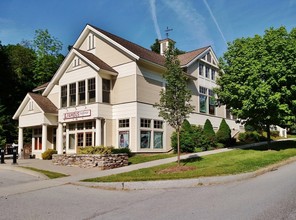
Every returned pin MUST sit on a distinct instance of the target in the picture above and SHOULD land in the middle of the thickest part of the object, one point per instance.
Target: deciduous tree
(174, 105)
(258, 81)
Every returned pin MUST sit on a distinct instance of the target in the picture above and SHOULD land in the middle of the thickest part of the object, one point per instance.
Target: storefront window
(71, 141)
(123, 139)
(145, 139)
(158, 140)
(88, 139)
(80, 139)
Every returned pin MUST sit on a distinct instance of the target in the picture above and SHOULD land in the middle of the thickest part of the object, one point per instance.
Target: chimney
(164, 44)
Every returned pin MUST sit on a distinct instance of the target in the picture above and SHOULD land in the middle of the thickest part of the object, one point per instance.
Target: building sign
(77, 114)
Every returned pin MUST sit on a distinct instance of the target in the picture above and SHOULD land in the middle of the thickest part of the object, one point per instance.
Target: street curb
(184, 183)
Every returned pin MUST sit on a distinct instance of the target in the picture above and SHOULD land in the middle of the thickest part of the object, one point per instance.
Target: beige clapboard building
(104, 92)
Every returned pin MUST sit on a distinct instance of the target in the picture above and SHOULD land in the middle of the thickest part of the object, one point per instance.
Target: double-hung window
(91, 90)
(64, 96)
(202, 99)
(81, 92)
(106, 91)
(72, 94)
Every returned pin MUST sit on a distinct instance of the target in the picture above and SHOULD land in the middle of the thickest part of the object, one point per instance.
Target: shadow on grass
(191, 159)
(277, 146)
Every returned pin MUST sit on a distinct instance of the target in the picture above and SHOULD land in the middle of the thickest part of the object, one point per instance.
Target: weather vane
(167, 31)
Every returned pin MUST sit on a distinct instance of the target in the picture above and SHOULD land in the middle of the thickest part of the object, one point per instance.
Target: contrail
(154, 18)
(215, 21)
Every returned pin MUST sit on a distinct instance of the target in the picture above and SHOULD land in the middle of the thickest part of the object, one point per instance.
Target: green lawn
(142, 158)
(233, 162)
(49, 174)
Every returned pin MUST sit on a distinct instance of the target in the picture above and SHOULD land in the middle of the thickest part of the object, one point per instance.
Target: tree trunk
(178, 141)
(268, 134)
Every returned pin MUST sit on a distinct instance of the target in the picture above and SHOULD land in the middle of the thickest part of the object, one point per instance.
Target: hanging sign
(77, 114)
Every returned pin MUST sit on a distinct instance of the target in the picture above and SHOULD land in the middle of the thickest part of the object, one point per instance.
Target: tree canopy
(23, 67)
(258, 78)
(155, 47)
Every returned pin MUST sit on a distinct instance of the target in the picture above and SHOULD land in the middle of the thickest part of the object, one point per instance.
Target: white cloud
(190, 18)
(215, 21)
(154, 18)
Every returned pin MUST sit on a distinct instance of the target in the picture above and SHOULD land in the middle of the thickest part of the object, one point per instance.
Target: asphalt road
(270, 196)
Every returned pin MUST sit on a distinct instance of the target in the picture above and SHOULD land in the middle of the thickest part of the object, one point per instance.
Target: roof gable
(43, 103)
(88, 58)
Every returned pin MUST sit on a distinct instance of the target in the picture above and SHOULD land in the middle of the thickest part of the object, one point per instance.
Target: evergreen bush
(47, 155)
(223, 135)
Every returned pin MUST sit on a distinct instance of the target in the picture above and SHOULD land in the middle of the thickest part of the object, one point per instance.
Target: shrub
(192, 137)
(210, 133)
(121, 151)
(47, 155)
(274, 133)
(186, 138)
(223, 135)
(250, 137)
(95, 150)
(208, 129)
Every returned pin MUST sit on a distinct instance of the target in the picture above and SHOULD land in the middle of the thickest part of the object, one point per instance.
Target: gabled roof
(41, 87)
(134, 48)
(186, 58)
(89, 58)
(45, 105)
(97, 61)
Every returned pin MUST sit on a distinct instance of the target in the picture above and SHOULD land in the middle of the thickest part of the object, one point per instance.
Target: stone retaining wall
(104, 162)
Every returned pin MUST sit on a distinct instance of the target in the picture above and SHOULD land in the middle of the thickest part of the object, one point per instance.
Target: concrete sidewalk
(77, 174)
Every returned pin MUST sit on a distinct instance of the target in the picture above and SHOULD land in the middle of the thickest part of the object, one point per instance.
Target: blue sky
(195, 23)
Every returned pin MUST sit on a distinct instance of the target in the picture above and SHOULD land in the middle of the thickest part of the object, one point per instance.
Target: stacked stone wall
(104, 162)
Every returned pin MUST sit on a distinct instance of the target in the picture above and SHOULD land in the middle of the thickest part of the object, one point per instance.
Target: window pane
(80, 139)
(81, 92)
(88, 125)
(145, 123)
(202, 103)
(64, 96)
(158, 124)
(71, 141)
(145, 139)
(88, 139)
(72, 94)
(106, 90)
(80, 126)
(123, 123)
(123, 138)
(200, 69)
(91, 90)
(158, 140)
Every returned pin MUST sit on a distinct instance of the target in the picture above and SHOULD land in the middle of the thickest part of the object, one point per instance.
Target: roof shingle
(44, 103)
(97, 61)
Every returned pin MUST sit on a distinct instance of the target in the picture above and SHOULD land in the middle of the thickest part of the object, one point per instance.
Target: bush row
(195, 138)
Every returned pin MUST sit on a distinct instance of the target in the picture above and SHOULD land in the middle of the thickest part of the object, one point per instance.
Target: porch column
(44, 137)
(98, 132)
(60, 138)
(20, 142)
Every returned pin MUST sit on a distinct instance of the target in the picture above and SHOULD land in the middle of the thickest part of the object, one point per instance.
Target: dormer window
(91, 41)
